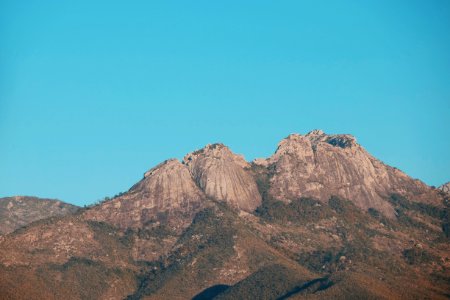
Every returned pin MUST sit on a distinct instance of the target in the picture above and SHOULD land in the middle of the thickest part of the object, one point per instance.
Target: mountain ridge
(18, 211)
(220, 174)
(214, 223)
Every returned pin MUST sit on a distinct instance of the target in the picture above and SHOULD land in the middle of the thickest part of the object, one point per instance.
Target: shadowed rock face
(165, 189)
(320, 165)
(221, 175)
(19, 211)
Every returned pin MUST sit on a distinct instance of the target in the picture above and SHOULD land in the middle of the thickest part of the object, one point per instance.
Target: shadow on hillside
(312, 286)
(211, 292)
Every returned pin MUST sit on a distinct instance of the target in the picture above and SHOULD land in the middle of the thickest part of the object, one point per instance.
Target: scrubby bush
(414, 256)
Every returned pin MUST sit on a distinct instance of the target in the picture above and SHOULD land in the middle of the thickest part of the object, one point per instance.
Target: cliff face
(319, 165)
(19, 211)
(314, 165)
(222, 176)
(172, 192)
(165, 190)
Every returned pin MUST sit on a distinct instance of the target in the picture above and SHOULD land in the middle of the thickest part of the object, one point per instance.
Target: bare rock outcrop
(166, 189)
(314, 165)
(445, 188)
(221, 175)
(320, 165)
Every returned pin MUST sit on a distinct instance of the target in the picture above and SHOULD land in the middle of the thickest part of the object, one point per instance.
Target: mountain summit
(164, 191)
(315, 165)
(319, 219)
(222, 175)
(319, 165)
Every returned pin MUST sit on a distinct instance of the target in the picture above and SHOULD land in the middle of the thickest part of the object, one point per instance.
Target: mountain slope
(19, 211)
(217, 226)
(166, 189)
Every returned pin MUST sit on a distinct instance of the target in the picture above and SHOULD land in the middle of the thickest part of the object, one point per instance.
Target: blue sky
(94, 93)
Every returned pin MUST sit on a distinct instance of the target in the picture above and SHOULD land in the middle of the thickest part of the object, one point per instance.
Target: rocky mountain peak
(166, 188)
(316, 132)
(317, 136)
(216, 151)
(222, 176)
(303, 146)
(167, 165)
(320, 165)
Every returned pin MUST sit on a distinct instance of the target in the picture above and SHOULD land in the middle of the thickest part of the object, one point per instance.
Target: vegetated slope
(186, 231)
(66, 258)
(218, 248)
(19, 211)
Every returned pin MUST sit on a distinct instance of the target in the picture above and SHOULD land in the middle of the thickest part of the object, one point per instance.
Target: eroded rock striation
(315, 165)
(173, 191)
(319, 165)
(165, 189)
(222, 175)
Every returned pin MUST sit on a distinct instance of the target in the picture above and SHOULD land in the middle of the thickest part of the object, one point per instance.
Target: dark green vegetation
(301, 211)
(208, 241)
(273, 282)
(417, 255)
(211, 292)
(408, 211)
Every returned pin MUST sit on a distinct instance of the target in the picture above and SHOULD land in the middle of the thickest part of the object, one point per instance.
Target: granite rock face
(166, 189)
(445, 187)
(222, 175)
(19, 211)
(315, 165)
(319, 165)
(173, 192)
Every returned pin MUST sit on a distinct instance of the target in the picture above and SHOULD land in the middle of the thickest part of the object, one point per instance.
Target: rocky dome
(168, 187)
(222, 176)
(315, 165)
(319, 165)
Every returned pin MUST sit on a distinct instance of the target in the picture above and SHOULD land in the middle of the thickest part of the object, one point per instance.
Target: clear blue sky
(94, 93)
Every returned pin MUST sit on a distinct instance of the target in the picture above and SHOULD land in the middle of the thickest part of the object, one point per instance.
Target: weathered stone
(320, 165)
(165, 189)
(221, 175)
(445, 187)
